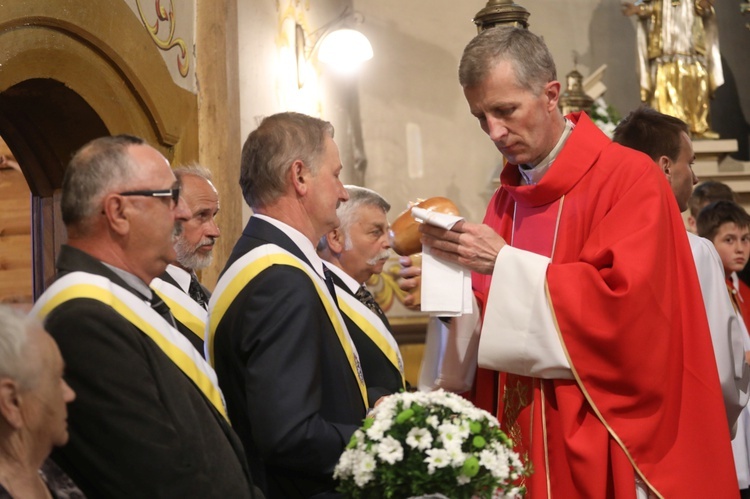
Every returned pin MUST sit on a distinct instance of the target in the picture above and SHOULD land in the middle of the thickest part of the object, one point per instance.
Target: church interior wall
(420, 138)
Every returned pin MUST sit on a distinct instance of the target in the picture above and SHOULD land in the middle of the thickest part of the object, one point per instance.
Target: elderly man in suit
(194, 242)
(149, 419)
(289, 370)
(356, 250)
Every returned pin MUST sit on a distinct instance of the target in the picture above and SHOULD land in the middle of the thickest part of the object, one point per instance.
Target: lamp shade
(345, 50)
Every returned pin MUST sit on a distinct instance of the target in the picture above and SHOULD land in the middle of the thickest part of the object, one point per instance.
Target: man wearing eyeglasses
(194, 242)
(149, 420)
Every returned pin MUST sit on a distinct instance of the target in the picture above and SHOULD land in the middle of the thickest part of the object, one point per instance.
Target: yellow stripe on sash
(176, 355)
(247, 274)
(183, 315)
(374, 335)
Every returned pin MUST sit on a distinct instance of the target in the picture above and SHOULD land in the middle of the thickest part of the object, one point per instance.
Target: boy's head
(704, 194)
(727, 225)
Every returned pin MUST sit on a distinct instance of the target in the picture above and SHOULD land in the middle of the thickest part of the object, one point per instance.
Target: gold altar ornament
(501, 12)
(574, 99)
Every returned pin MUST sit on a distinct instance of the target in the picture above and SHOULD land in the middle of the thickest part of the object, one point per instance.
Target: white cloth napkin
(446, 287)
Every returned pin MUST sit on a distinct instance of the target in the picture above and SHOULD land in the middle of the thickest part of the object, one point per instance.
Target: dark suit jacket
(138, 426)
(381, 376)
(291, 394)
(182, 328)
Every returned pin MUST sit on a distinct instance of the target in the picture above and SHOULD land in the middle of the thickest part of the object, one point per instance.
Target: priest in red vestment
(594, 342)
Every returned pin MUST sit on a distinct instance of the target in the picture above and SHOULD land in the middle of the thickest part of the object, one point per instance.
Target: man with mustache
(356, 250)
(194, 242)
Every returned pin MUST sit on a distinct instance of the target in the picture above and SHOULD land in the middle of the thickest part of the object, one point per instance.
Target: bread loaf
(404, 232)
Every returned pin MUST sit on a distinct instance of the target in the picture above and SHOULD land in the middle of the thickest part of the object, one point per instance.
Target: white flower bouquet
(604, 116)
(416, 444)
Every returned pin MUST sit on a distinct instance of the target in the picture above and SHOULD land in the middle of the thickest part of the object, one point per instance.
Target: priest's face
(681, 175)
(523, 123)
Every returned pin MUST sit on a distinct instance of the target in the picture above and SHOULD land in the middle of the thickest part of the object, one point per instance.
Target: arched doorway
(70, 71)
(43, 122)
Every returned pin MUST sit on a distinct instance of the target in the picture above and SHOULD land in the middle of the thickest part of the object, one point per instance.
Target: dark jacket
(138, 426)
(291, 394)
(381, 376)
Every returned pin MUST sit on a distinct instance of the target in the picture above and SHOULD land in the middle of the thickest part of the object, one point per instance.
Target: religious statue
(678, 58)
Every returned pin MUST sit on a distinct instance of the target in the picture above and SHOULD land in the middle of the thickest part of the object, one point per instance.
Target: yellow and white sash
(141, 315)
(245, 269)
(369, 322)
(183, 307)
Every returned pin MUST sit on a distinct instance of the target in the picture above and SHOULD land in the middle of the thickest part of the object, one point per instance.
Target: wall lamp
(337, 44)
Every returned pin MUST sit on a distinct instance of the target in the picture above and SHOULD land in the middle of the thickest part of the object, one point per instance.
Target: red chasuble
(645, 400)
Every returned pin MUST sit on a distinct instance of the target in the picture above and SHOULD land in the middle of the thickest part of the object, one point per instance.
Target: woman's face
(46, 394)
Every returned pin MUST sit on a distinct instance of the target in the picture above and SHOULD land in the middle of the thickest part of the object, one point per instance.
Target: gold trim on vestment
(591, 402)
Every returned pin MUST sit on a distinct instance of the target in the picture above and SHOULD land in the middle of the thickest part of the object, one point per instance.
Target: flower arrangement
(604, 116)
(421, 443)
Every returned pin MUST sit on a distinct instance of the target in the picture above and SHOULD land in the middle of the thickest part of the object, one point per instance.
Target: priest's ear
(552, 92)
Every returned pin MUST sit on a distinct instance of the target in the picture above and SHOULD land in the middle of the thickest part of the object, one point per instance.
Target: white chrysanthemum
(464, 429)
(457, 456)
(432, 421)
(497, 464)
(344, 467)
(364, 468)
(450, 435)
(419, 438)
(463, 479)
(436, 458)
(384, 415)
(359, 436)
(378, 428)
(386, 409)
(390, 450)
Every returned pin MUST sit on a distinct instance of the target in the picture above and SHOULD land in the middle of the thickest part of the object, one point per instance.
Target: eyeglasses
(173, 193)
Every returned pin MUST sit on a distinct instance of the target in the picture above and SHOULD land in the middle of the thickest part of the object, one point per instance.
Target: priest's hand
(474, 246)
(410, 279)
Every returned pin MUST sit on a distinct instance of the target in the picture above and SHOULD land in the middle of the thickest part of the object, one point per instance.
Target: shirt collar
(131, 280)
(352, 284)
(532, 175)
(181, 276)
(299, 239)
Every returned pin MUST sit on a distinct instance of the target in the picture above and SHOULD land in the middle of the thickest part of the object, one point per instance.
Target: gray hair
(194, 169)
(14, 328)
(269, 151)
(358, 196)
(95, 168)
(527, 52)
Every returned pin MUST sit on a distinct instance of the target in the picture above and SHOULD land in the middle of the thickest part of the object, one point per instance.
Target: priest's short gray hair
(527, 52)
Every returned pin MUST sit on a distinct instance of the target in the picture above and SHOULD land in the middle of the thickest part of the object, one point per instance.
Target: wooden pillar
(219, 137)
